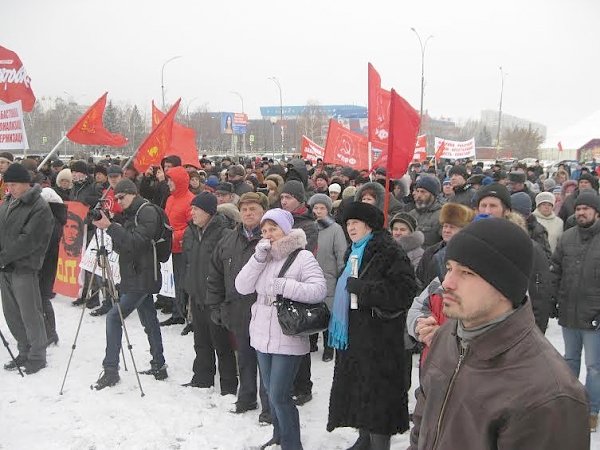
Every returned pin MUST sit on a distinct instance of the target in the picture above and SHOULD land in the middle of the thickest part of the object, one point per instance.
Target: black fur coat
(368, 390)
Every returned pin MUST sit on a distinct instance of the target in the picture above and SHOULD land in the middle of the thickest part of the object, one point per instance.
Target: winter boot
(104, 309)
(34, 365)
(363, 442)
(272, 441)
(327, 354)
(80, 301)
(189, 328)
(159, 373)
(380, 442)
(20, 362)
(172, 321)
(241, 408)
(264, 418)
(108, 378)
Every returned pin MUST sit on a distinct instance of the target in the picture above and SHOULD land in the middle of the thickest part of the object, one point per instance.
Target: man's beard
(583, 223)
(420, 205)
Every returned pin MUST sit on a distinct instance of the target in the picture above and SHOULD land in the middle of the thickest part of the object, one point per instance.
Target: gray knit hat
(296, 189)
(321, 199)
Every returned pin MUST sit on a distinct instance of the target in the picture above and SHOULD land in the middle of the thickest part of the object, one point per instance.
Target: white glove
(262, 250)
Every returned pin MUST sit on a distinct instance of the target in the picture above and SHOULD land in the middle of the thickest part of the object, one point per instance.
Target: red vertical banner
(379, 113)
(345, 147)
(310, 150)
(70, 250)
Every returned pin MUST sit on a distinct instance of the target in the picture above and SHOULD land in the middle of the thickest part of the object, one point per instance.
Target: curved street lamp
(278, 84)
(162, 79)
(502, 75)
(423, 46)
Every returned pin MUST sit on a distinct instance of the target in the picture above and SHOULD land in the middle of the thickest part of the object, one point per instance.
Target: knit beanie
(365, 212)
(494, 190)
(589, 177)
(281, 217)
(126, 186)
(549, 184)
(406, 219)
(349, 192)
(334, 187)
(64, 174)
(545, 197)
(456, 214)
(16, 173)
(517, 177)
(294, 188)
(586, 197)
(254, 197)
(206, 202)
(212, 181)
(429, 183)
(7, 156)
(521, 203)
(487, 245)
(321, 199)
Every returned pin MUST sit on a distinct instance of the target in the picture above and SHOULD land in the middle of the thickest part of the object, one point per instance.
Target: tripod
(5, 342)
(107, 286)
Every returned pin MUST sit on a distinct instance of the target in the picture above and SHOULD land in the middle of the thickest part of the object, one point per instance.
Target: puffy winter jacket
(304, 282)
(428, 222)
(178, 207)
(576, 268)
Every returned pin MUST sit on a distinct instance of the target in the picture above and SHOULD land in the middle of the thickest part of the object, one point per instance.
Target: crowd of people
(464, 267)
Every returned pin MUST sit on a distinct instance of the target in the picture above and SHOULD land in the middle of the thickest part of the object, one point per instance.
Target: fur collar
(412, 241)
(283, 247)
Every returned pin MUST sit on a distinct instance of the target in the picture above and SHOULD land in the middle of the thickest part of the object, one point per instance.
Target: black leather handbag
(297, 318)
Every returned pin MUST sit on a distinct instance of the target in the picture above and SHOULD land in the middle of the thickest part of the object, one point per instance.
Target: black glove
(354, 285)
(215, 316)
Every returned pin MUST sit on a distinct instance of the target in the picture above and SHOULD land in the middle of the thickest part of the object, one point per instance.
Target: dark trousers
(211, 339)
(114, 332)
(248, 370)
(302, 383)
(180, 301)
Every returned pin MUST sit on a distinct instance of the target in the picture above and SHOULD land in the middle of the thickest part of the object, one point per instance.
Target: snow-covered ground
(34, 416)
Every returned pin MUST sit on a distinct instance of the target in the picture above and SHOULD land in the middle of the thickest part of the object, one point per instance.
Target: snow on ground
(34, 416)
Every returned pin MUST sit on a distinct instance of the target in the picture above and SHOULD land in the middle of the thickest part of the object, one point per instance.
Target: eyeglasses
(120, 197)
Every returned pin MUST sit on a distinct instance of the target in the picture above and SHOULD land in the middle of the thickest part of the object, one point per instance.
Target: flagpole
(49, 155)
(370, 156)
(386, 201)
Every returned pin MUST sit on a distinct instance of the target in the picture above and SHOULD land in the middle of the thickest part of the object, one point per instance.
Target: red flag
(421, 148)
(311, 151)
(183, 140)
(560, 149)
(15, 84)
(404, 126)
(158, 143)
(379, 112)
(440, 150)
(89, 129)
(345, 147)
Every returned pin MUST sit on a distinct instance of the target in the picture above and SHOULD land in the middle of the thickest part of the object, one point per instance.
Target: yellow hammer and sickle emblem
(153, 151)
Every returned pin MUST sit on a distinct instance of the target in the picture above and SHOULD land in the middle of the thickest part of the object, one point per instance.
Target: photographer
(136, 262)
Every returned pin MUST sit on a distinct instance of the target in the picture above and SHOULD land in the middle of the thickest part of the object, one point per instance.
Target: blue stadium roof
(343, 111)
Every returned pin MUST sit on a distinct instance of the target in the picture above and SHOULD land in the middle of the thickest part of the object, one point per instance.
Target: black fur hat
(365, 212)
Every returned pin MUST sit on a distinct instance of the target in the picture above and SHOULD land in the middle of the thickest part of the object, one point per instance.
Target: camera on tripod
(95, 213)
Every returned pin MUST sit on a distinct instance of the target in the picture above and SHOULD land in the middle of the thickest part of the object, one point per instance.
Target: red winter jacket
(178, 207)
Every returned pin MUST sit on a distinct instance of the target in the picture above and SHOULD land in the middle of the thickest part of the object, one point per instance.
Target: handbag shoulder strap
(288, 262)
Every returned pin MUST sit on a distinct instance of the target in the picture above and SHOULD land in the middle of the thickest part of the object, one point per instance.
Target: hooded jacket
(484, 397)
(412, 244)
(394, 205)
(26, 226)
(178, 207)
(428, 222)
(304, 282)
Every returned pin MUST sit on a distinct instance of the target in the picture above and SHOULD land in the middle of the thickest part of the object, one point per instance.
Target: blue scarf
(338, 324)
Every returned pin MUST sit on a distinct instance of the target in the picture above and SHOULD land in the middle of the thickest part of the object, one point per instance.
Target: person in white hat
(544, 213)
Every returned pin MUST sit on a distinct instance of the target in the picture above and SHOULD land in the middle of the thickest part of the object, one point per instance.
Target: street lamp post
(278, 84)
(162, 79)
(423, 46)
(502, 75)
(273, 122)
(244, 133)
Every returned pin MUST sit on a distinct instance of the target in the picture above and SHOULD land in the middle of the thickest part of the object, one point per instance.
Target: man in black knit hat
(491, 380)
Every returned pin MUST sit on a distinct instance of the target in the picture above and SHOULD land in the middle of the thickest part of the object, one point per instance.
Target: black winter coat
(540, 287)
(576, 269)
(229, 257)
(367, 390)
(155, 191)
(429, 267)
(48, 271)
(463, 195)
(539, 234)
(197, 251)
(306, 222)
(87, 192)
(25, 229)
(133, 244)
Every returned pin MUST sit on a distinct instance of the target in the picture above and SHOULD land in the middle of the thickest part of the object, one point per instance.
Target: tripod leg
(130, 347)
(5, 342)
(74, 346)
(108, 289)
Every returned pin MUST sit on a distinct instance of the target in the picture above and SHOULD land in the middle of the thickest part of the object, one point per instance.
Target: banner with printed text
(345, 147)
(311, 151)
(456, 149)
(89, 257)
(12, 128)
(168, 281)
(70, 250)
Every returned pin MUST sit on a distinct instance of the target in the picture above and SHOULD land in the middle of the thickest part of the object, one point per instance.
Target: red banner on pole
(311, 151)
(89, 129)
(70, 250)
(183, 140)
(15, 84)
(379, 112)
(404, 126)
(345, 147)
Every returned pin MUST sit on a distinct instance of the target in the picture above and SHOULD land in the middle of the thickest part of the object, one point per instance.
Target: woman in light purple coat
(279, 355)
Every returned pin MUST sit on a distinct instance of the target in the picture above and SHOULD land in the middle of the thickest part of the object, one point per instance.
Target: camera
(95, 213)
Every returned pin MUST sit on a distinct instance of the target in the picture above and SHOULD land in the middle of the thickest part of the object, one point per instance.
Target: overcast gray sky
(318, 50)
